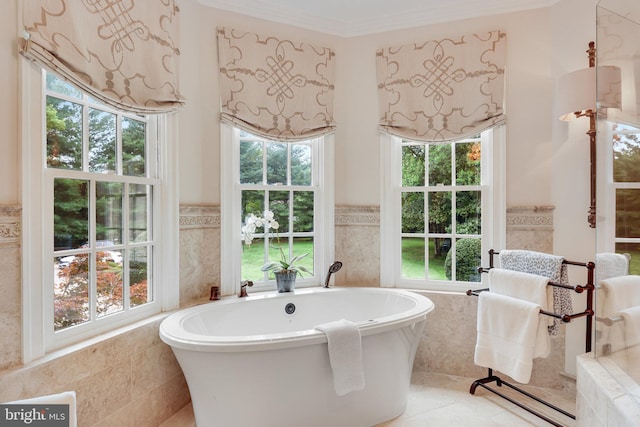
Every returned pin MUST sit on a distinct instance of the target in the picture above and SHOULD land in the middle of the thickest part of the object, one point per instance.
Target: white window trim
(37, 330)
(606, 190)
(230, 255)
(493, 218)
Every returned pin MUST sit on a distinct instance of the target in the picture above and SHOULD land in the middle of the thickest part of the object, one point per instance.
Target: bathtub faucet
(243, 288)
(333, 268)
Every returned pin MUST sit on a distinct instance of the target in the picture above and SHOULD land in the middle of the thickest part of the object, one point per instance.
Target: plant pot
(286, 280)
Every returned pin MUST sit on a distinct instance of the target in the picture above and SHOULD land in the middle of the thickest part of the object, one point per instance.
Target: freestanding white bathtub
(259, 362)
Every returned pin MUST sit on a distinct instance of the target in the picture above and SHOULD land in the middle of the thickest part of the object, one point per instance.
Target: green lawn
(252, 258)
(413, 260)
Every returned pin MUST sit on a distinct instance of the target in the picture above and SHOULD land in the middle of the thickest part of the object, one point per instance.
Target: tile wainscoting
(199, 251)
(10, 286)
(131, 378)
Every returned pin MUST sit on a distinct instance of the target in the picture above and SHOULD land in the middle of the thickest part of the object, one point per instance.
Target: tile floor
(437, 400)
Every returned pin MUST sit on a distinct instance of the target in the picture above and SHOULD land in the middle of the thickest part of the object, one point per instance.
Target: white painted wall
(547, 161)
(541, 45)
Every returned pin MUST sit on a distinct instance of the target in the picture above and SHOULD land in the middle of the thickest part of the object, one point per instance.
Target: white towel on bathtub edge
(345, 355)
(507, 329)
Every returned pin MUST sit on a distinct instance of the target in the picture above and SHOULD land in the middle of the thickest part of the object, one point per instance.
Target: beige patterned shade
(278, 89)
(442, 90)
(121, 52)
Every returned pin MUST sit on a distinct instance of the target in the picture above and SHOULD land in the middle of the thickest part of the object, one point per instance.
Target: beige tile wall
(130, 378)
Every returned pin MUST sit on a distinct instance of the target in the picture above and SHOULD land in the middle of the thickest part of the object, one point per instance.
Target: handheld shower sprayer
(333, 268)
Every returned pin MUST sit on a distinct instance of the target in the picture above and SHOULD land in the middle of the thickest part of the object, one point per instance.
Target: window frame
(493, 211)
(606, 191)
(230, 211)
(39, 337)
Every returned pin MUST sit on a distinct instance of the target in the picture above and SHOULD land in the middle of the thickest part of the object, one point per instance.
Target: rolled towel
(507, 329)
(611, 265)
(527, 287)
(345, 355)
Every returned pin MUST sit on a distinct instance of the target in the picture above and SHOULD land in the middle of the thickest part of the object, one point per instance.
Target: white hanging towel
(507, 329)
(619, 293)
(345, 355)
(551, 266)
(527, 287)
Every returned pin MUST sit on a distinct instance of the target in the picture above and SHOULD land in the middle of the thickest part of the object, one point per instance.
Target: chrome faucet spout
(333, 268)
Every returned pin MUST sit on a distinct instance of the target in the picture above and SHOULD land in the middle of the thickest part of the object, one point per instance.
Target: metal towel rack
(565, 317)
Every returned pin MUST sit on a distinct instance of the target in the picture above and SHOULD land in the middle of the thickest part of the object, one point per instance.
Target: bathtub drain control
(290, 308)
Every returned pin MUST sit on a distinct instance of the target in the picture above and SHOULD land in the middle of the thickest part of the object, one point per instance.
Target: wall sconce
(583, 93)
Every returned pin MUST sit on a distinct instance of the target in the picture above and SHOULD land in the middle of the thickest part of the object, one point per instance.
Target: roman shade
(442, 90)
(279, 89)
(122, 52)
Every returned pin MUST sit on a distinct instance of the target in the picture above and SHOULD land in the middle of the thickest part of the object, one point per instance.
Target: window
(287, 179)
(438, 216)
(621, 197)
(97, 184)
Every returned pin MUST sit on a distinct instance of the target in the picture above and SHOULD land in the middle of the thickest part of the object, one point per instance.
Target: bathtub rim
(172, 333)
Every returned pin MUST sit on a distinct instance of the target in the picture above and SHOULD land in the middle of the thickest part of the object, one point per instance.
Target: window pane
(134, 142)
(626, 154)
(252, 260)
(139, 286)
(252, 203)
(440, 164)
(278, 250)
(58, 85)
(279, 205)
(627, 213)
(276, 163)
(102, 141)
(467, 260)
(250, 162)
(71, 291)
(109, 284)
(438, 250)
(413, 212)
(468, 212)
(64, 134)
(109, 212)
(413, 165)
(413, 257)
(440, 212)
(301, 246)
(468, 163)
(70, 213)
(300, 164)
(303, 211)
(139, 202)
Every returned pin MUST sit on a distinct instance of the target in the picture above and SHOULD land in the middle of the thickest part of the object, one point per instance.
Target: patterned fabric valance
(442, 90)
(121, 52)
(278, 89)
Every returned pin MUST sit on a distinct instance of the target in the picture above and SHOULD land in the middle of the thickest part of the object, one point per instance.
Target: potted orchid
(286, 269)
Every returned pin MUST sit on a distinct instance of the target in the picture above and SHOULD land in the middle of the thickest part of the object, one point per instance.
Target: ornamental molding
(530, 217)
(199, 216)
(357, 215)
(10, 225)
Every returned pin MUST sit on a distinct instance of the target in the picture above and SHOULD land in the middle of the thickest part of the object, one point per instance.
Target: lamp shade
(577, 90)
